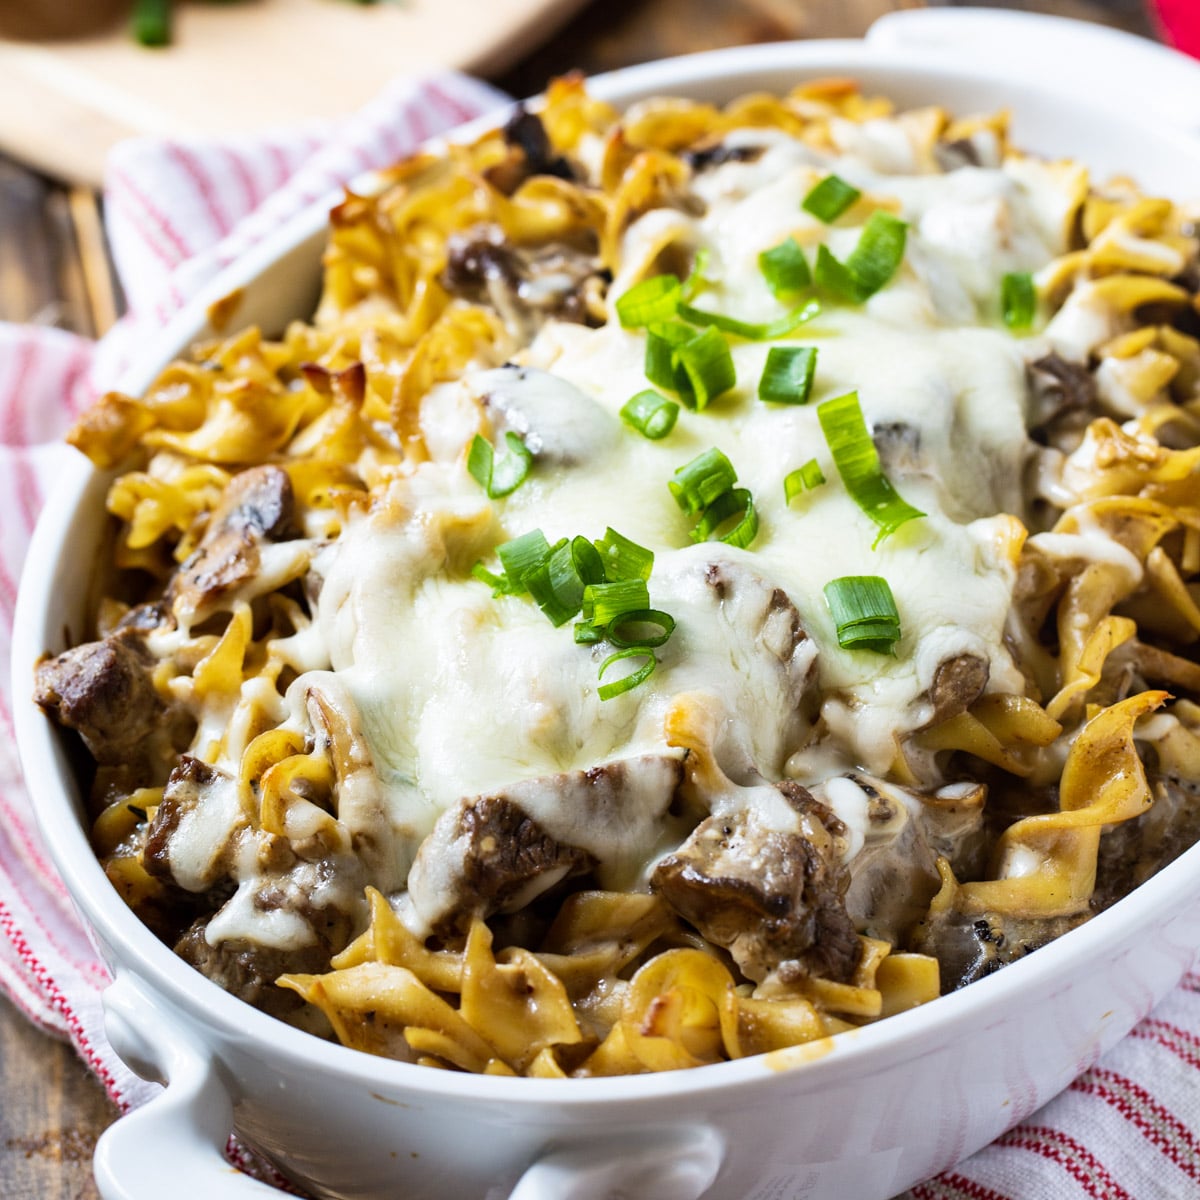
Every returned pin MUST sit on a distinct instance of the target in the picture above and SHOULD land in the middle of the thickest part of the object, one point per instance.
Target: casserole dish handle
(179, 1135)
(668, 1164)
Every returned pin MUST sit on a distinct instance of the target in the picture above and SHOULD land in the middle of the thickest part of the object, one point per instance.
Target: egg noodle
(363, 771)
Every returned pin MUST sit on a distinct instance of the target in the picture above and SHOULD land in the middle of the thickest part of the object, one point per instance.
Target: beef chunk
(498, 852)
(774, 900)
(498, 858)
(103, 690)
(257, 506)
(249, 970)
(1136, 849)
(191, 784)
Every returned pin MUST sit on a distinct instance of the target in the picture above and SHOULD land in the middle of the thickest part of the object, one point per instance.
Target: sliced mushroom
(526, 286)
(957, 683)
(256, 507)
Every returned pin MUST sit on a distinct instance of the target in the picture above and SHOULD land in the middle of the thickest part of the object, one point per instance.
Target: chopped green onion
(699, 482)
(652, 415)
(623, 559)
(500, 584)
(835, 279)
(623, 630)
(788, 375)
(857, 461)
(589, 565)
(785, 268)
(505, 476)
(587, 633)
(830, 198)
(696, 279)
(879, 251)
(706, 366)
(1018, 299)
(555, 585)
(608, 690)
(869, 265)
(152, 22)
(650, 301)
(864, 612)
(735, 502)
(521, 555)
(802, 479)
(880, 636)
(604, 602)
(662, 366)
(752, 331)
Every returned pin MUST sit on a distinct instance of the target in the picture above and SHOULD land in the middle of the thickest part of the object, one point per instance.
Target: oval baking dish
(865, 1114)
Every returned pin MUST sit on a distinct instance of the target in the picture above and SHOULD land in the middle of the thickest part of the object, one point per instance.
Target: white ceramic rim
(854, 1054)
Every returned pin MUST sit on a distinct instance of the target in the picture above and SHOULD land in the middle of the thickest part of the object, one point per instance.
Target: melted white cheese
(461, 694)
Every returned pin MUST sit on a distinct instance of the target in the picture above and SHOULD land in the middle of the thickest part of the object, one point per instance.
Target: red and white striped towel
(1129, 1129)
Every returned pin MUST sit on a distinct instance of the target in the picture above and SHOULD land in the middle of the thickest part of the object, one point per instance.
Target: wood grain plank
(51, 1114)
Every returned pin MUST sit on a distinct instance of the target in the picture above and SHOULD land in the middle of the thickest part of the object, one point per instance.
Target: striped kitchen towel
(1127, 1129)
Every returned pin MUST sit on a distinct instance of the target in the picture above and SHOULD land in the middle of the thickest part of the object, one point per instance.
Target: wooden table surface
(52, 270)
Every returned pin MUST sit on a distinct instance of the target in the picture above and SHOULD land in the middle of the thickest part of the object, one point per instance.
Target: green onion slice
(696, 280)
(589, 565)
(699, 482)
(652, 415)
(766, 331)
(652, 300)
(555, 585)
(622, 558)
(737, 502)
(499, 478)
(587, 633)
(879, 251)
(705, 368)
(521, 555)
(1018, 299)
(629, 629)
(604, 602)
(788, 375)
(802, 479)
(864, 612)
(662, 367)
(785, 268)
(500, 584)
(869, 265)
(830, 198)
(857, 461)
(628, 682)
(834, 278)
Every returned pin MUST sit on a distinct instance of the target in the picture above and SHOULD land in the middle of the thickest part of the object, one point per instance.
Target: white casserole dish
(865, 1115)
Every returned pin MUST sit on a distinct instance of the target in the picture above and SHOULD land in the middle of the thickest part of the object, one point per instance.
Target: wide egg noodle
(1013, 779)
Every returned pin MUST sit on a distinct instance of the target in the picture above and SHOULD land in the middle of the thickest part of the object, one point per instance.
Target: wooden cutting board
(234, 68)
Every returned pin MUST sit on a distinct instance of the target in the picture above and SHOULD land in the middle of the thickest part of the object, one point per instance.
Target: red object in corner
(1180, 21)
